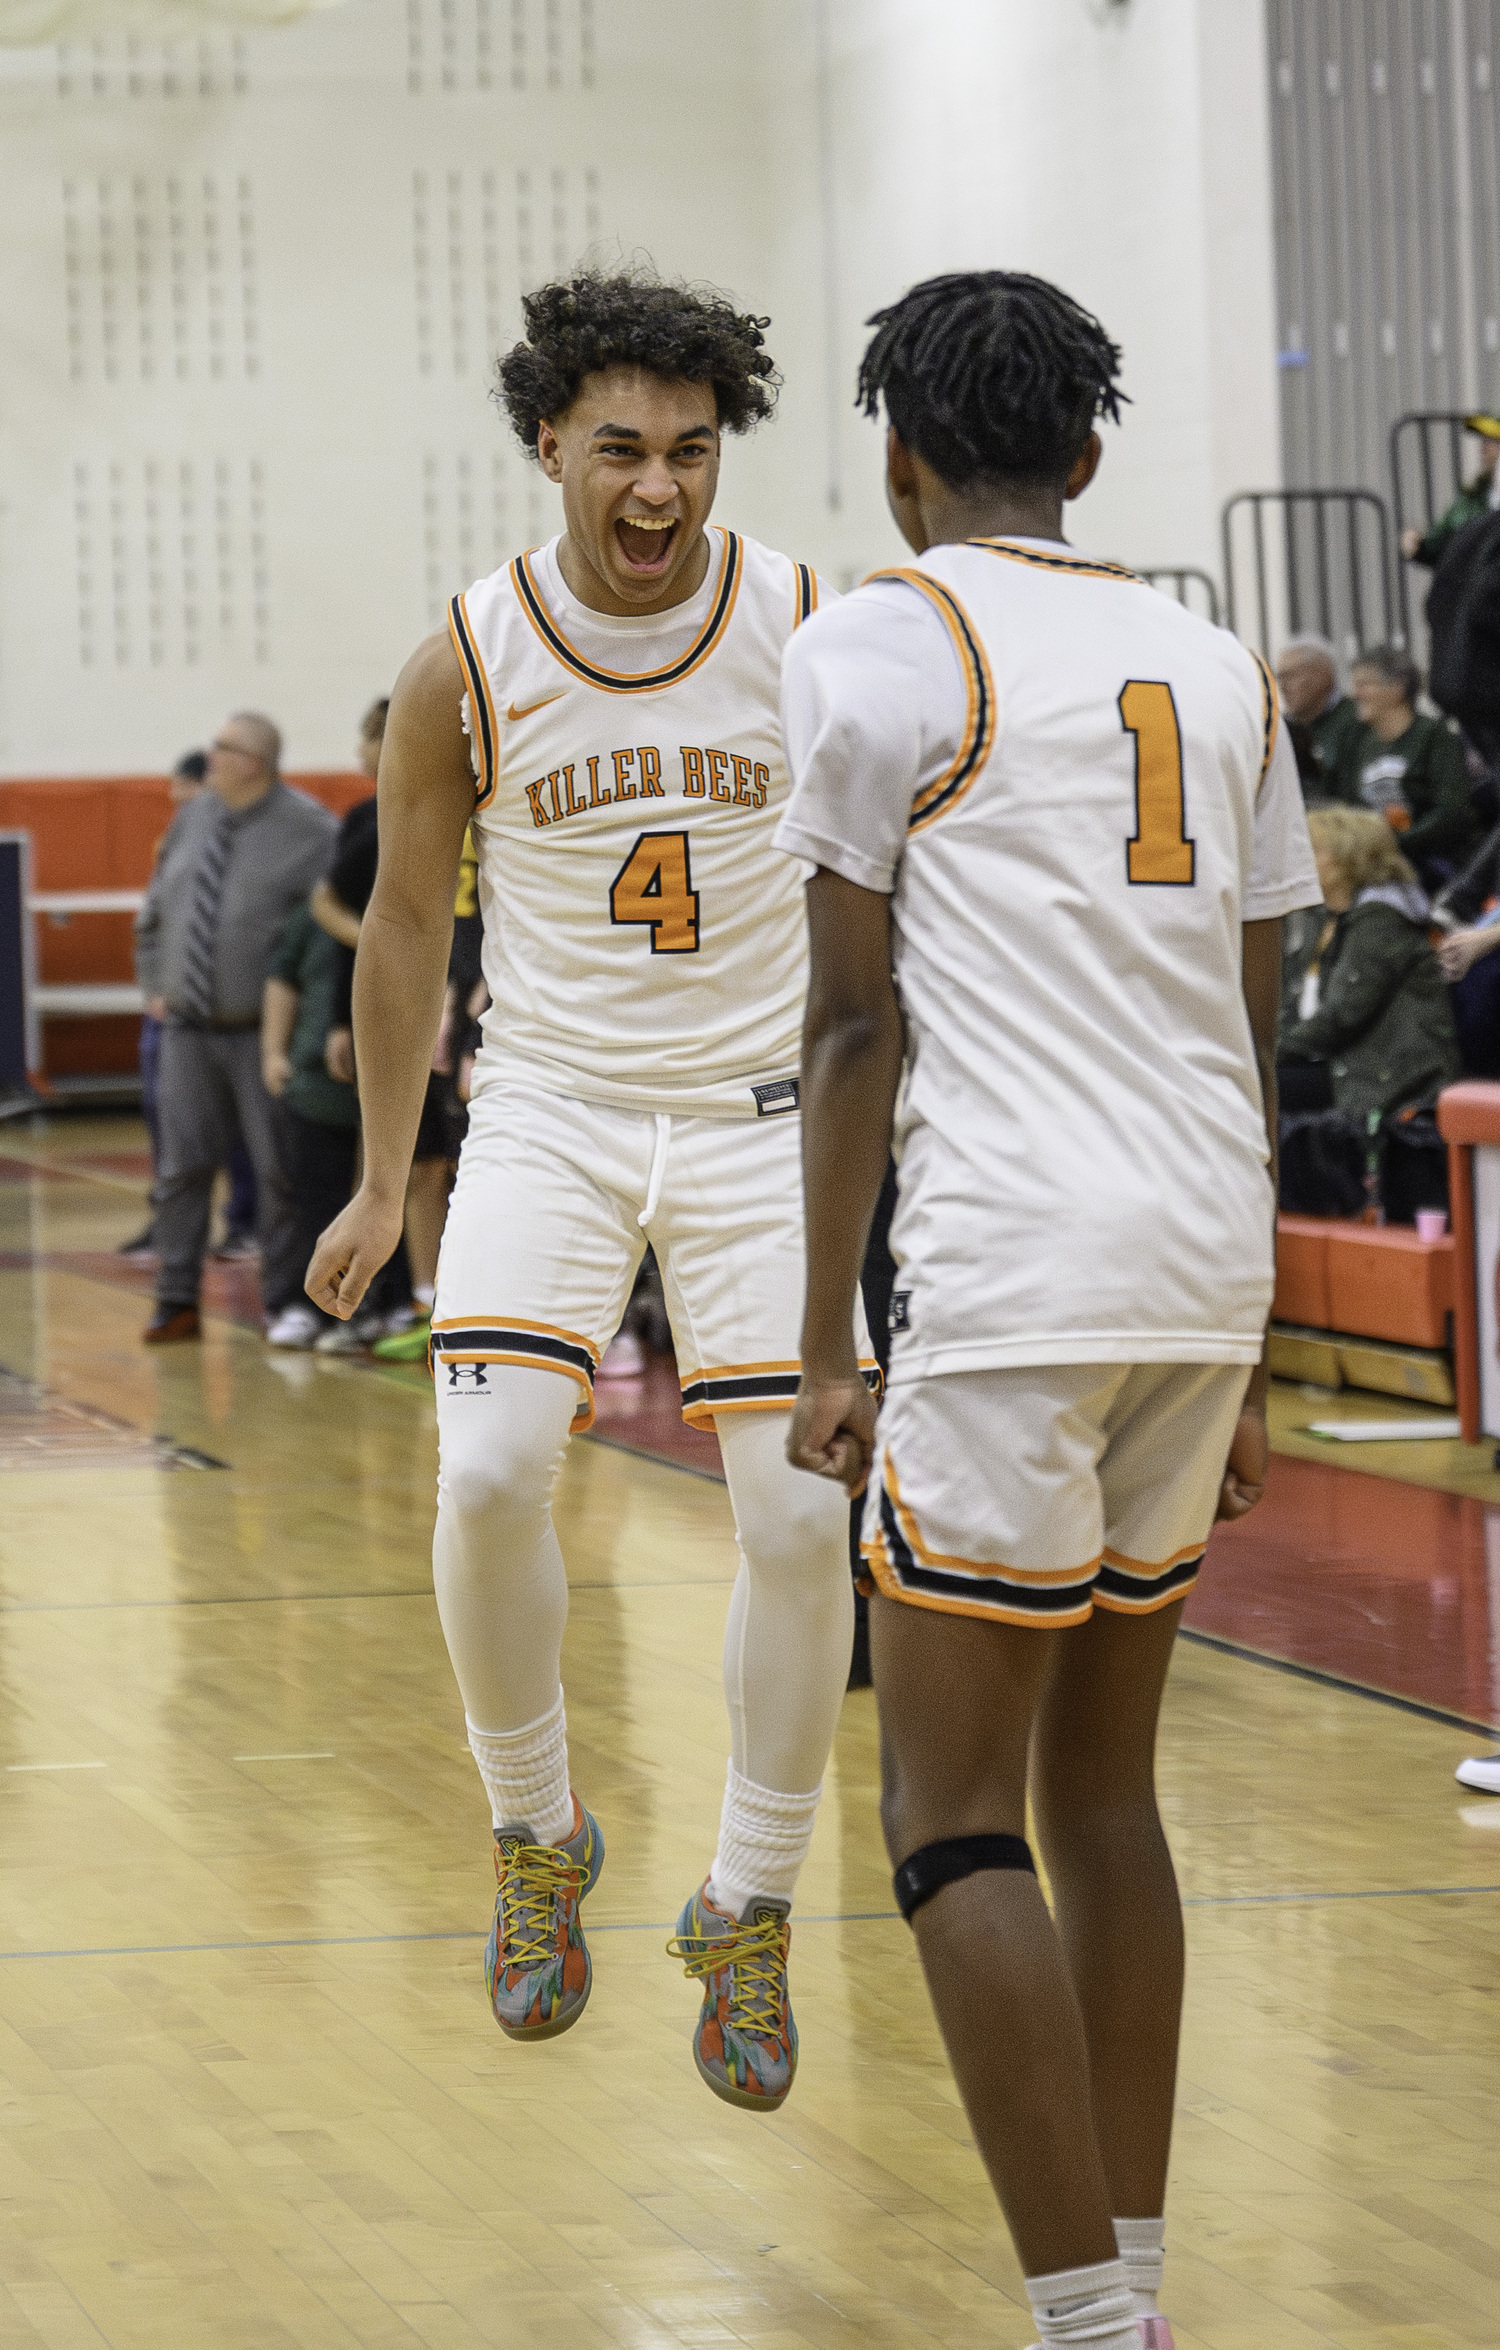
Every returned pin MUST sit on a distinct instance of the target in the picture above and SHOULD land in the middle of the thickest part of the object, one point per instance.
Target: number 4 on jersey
(655, 885)
(1159, 849)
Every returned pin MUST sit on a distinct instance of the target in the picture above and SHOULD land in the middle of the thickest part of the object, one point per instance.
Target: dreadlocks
(581, 325)
(991, 376)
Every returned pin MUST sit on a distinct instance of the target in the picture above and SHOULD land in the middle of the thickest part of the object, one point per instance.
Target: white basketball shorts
(1034, 1494)
(555, 1201)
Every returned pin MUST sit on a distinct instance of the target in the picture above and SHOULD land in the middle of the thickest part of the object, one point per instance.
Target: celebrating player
(1059, 803)
(604, 711)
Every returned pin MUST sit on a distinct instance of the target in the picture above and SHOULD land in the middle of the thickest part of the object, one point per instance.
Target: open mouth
(646, 543)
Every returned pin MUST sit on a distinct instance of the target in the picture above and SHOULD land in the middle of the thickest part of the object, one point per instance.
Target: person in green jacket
(1411, 770)
(1474, 498)
(1367, 1025)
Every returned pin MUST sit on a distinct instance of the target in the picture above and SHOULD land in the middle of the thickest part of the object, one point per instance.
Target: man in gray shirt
(234, 865)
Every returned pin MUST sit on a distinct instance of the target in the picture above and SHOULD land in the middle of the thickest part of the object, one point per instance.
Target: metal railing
(1315, 562)
(1427, 461)
(1195, 589)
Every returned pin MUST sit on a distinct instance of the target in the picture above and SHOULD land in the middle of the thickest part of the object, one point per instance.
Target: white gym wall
(253, 280)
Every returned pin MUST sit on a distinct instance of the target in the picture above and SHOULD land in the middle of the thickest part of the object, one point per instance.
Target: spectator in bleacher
(1320, 718)
(1475, 497)
(1367, 1030)
(1411, 770)
(235, 864)
(319, 1114)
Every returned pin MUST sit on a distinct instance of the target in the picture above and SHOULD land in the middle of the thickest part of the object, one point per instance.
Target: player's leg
(983, 1532)
(728, 1235)
(537, 1257)
(1093, 1783)
(786, 1652)
(1116, 1904)
(957, 1698)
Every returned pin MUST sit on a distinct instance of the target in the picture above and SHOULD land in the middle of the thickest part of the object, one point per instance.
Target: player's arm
(1245, 1473)
(426, 792)
(851, 1066)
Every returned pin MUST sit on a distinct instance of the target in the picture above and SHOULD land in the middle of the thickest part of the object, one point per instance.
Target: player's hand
(833, 1431)
(1410, 541)
(275, 1071)
(350, 1253)
(1245, 1472)
(338, 1054)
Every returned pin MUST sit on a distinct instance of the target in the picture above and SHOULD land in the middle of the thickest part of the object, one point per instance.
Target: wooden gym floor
(250, 2093)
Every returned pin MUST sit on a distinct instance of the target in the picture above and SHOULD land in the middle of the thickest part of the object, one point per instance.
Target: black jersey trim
(610, 681)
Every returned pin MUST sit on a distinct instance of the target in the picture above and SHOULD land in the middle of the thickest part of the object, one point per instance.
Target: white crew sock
(525, 1774)
(1089, 2305)
(763, 1841)
(1139, 2244)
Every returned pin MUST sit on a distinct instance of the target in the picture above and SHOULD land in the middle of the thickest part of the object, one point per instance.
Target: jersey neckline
(1052, 555)
(722, 599)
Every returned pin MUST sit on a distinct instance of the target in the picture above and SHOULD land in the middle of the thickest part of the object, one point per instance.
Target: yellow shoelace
(755, 1957)
(532, 1876)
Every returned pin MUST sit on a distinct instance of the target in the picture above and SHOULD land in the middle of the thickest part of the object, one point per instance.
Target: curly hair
(991, 376)
(686, 334)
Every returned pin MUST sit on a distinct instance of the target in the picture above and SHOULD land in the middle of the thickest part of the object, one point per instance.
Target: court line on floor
(94, 1607)
(849, 1917)
(1286, 1664)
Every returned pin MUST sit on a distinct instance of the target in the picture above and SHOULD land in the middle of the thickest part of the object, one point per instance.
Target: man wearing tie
(235, 864)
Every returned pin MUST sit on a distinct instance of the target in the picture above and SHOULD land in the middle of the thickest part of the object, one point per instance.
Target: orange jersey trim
(1083, 566)
(1270, 717)
(947, 789)
(480, 700)
(1117, 1558)
(986, 1610)
(625, 681)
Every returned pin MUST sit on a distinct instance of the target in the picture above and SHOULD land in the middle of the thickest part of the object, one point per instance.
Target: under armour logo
(473, 1372)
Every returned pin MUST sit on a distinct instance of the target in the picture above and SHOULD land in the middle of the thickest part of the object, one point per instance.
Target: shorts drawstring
(658, 1169)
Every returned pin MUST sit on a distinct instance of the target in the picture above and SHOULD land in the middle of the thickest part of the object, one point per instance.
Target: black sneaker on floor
(143, 1245)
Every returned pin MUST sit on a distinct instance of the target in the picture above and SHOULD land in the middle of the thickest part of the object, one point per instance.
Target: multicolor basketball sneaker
(536, 1962)
(745, 2044)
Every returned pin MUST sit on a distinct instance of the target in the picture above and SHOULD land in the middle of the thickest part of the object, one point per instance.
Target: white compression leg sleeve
(786, 1657)
(498, 1572)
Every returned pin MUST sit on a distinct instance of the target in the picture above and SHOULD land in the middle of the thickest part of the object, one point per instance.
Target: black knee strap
(932, 1866)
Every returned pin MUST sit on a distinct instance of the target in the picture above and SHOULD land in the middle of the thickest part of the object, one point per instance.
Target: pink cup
(1432, 1223)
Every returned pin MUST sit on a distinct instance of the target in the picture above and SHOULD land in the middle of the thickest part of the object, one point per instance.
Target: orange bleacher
(1369, 1280)
(101, 832)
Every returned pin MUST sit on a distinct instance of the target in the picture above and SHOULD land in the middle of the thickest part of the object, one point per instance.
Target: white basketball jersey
(1075, 794)
(644, 944)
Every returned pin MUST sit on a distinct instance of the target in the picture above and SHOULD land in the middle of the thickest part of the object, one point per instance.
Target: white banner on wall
(25, 23)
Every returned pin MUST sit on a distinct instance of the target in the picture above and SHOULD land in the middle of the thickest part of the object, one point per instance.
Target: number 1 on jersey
(1159, 849)
(655, 885)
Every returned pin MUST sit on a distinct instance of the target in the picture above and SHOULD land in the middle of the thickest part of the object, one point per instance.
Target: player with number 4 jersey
(603, 712)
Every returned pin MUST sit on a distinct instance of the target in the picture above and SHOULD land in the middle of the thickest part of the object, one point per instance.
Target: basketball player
(1062, 805)
(604, 712)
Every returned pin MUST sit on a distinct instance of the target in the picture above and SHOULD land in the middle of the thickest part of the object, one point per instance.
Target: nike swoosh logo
(513, 713)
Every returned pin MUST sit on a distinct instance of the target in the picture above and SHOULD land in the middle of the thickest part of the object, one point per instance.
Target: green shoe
(408, 1346)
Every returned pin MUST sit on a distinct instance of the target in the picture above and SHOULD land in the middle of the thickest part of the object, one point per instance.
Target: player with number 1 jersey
(603, 711)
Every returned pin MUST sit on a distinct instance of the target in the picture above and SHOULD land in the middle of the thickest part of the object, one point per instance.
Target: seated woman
(1367, 1031)
(1411, 770)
